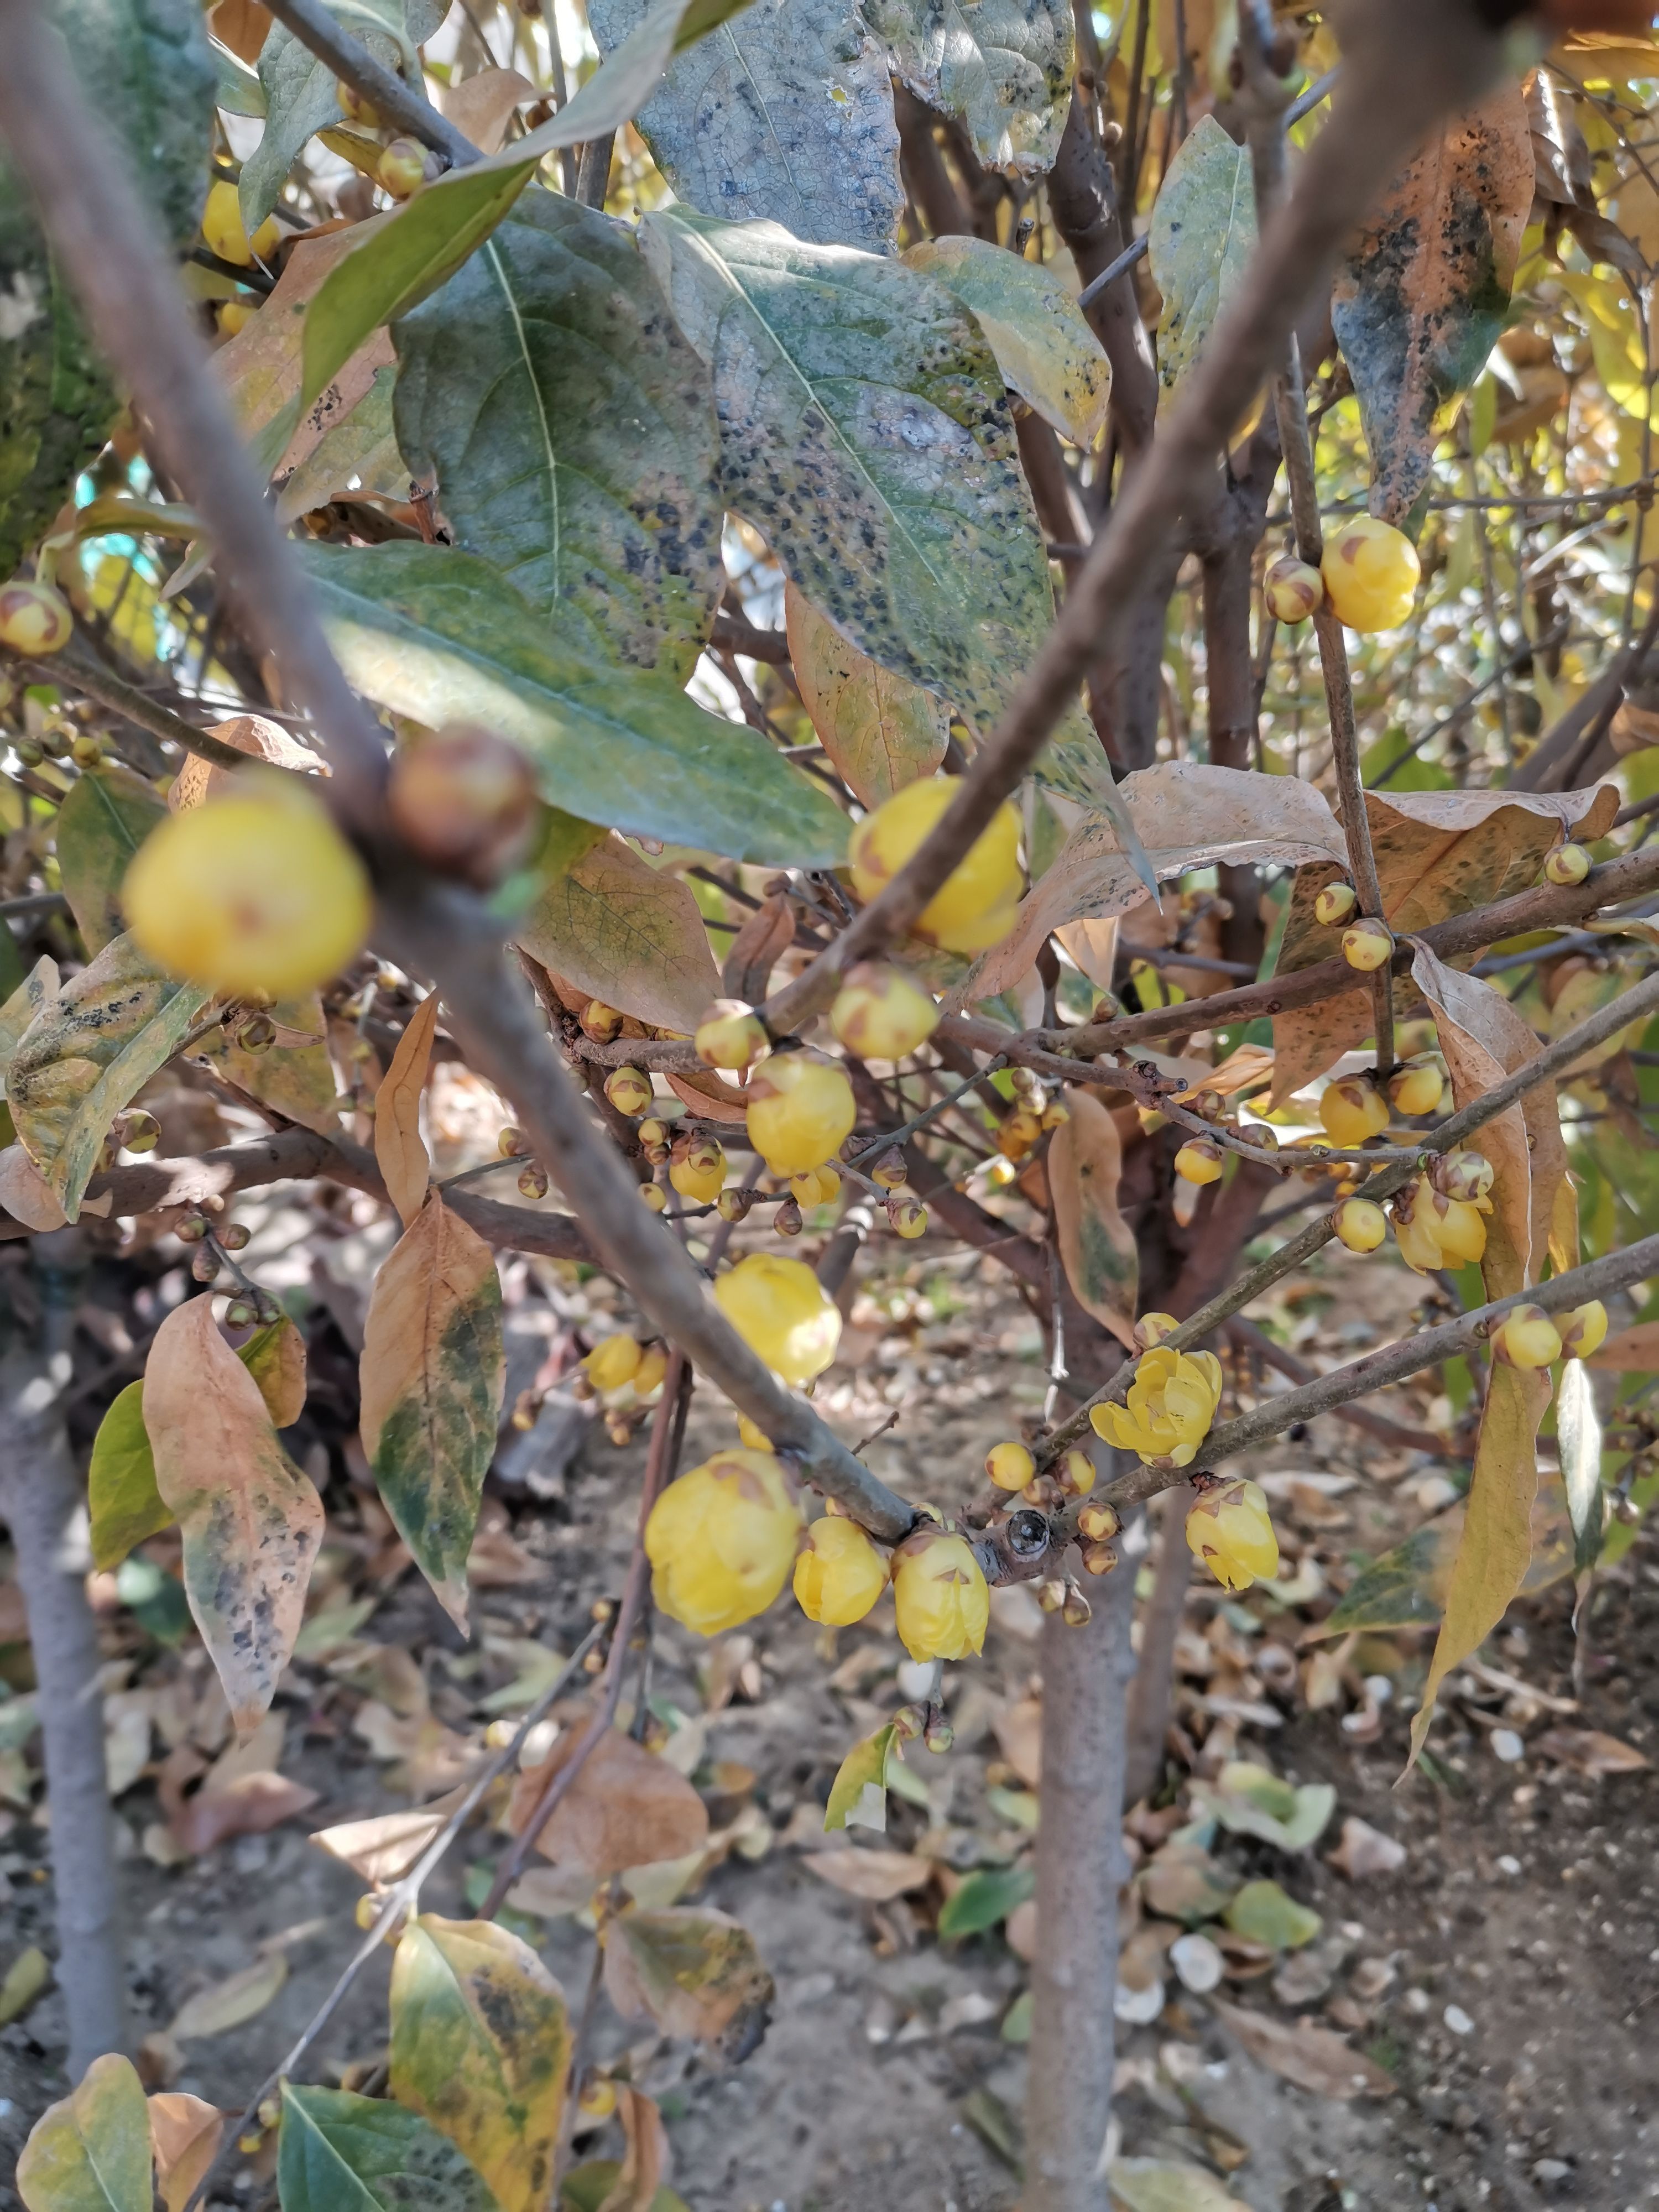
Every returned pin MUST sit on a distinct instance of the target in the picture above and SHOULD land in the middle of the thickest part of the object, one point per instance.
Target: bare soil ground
(1505, 1976)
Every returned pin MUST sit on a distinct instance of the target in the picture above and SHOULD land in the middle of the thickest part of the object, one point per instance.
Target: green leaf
(1202, 236)
(1266, 1914)
(1003, 66)
(588, 2186)
(1578, 1438)
(341, 2153)
(301, 93)
(628, 934)
(1046, 350)
(124, 1504)
(432, 1377)
(358, 454)
(91, 2152)
(570, 431)
(983, 1899)
(1423, 294)
(237, 90)
(83, 1058)
(858, 1796)
(480, 2047)
(438, 636)
(786, 112)
(294, 1075)
(107, 815)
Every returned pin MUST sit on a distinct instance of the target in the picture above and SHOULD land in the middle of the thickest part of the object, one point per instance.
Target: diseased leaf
(91, 2152)
(358, 454)
(1005, 69)
(251, 1520)
(1496, 1546)
(84, 1057)
(37, 991)
(690, 1973)
(399, 1150)
(1202, 236)
(784, 112)
(436, 635)
(628, 1807)
(1438, 853)
(570, 431)
(184, 2131)
(880, 731)
(432, 1372)
(1046, 350)
(107, 815)
(1578, 1439)
(301, 93)
(297, 1078)
(1423, 295)
(1098, 1246)
(631, 933)
(1188, 815)
(341, 2153)
(480, 2048)
(1406, 1587)
(858, 1796)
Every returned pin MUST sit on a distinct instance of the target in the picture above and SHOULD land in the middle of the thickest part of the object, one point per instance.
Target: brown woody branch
(1250, 1338)
(398, 103)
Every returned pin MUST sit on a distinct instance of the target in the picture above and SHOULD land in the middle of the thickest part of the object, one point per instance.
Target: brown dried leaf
(692, 1973)
(251, 1520)
(1018, 1730)
(224, 2005)
(199, 780)
(645, 2163)
(761, 942)
(1438, 853)
(627, 1807)
(1633, 1351)
(1312, 2057)
(402, 1157)
(382, 1849)
(249, 1805)
(880, 730)
(1590, 1752)
(26, 1194)
(481, 107)
(711, 1095)
(184, 2133)
(875, 1876)
(1098, 1246)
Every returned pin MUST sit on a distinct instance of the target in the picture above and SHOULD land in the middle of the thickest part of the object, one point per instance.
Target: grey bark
(1152, 1692)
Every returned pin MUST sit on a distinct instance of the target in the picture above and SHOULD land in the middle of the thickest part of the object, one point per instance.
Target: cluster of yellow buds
(782, 1313)
(1171, 1405)
(1434, 1230)
(1528, 1337)
(975, 907)
(1230, 1529)
(722, 1540)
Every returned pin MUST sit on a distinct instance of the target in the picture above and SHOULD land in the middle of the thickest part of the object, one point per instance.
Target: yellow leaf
(91, 2152)
(480, 2048)
(240, 1997)
(403, 1159)
(252, 1521)
(629, 934)
(1098, 1246)
(27, 1975)
(1496, 1548)
(880, 731)
(186, 2131)
(1045, 349)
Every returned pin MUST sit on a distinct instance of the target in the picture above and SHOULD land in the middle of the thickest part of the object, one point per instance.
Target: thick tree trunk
(1080, 1868)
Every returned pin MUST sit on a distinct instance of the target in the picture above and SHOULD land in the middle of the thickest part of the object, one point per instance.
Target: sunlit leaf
(858, 1796)
(107, 815)
(1202, 236)
(631, 933)
(1578, 1436)
(1005, 70)
(1046, 350)
(342, 2152)
(91, 2152)
(186, 2131)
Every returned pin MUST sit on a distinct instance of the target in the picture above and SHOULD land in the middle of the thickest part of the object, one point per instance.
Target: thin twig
(397, 102)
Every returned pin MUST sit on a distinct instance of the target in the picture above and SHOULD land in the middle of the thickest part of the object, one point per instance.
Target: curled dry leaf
(184, 2133)
(627, 1807)
(240, 1997)
(251, 1520)
(692, 1973)
(1365, 1851)
(398, 1150)
(383, 1849)
(1590, 1752)
(874, 1876)
(433, 1371)
(646, 2162)
(481, 108)
(199, 780)
(1312, 2057)
(91, 2152)
(248, 1805)
(880, 731)
(480, 2048)
(1098, 1246)
(26, 1193)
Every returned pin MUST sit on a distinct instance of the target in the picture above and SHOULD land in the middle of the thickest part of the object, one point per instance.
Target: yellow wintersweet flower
(940, 1594)
(841, 1574)
(1230, 1529)
(1172, 1403)
(721, 1541)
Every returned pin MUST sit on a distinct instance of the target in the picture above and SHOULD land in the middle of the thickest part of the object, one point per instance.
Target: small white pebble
(917, 1678)
(1378, 1689)
(1507, 1745)
(1458, 2020)
(1198, 1962)
(1509, 1864)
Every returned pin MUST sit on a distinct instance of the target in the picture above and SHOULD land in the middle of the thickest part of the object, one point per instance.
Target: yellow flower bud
(1583, 1330)
(700, 1172)
(840, 1574)
(1335, 904)
(654, 1366)
(1076, 1472)
(800, 1109)
(939, 1593)
(732, 1035)
(753, 1438)
(722, 1542)
(975, 907)
(1352, 1111)
(34, 617)
(1360, 1225)
(1458, 1229)
(222, 228)
(1291, 589)
(599, 2098)
(1415, 1231)
(1416, 1088)
(889, 1172)
(880, 1014)
(599, 1022)
(1098, 1523)
(1017, 1133)
(1231, 1530)
(1153, 1328)
(1171, 1405)
(782, 1313)
(614, 1361)
(1055, 1115)
(906, 1214)
(1526, 1338)
(1566, 864)
(1367, 944)
(1372, 572)
(629, 1090)
(816, 1186)
(1199, 1160)
(1468, 1176)
(1098, 1558)
(655, 1198)
(404, 167)
(1010, 1466)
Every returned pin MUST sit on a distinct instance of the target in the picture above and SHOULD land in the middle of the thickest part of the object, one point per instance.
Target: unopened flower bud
(257, 1034)
(787, 1219)
(463, 799)
(940, 1596)
(908, 1722)
(614, 1361)
(234, 1236)
(600, 1022)
(1566, 864)
(597, 2100)
(141, 1132)
(1153, 1328)
(889, 1172)
(1465, 1176)
(532, 1179)
(1055, 1115)
(629, 1090)
(1352, 1111)
(191, 1229)
(205, 1267)
(655, 1199)
(1360, 1225)
(1526, 1338)
(906, 1214)
(1335, 904)
(1416, 1088)
(1051, 1595)
(238, 1314)
(1199, 1160)
(880, 1014)
(1076, 1472)
(1367, 944)
(404, 165)
(732, 1035)
(1292, 589)
(733, 1205)
(1077, 1609)
(1098, 1523)
(840, 1573)
(1098, 1558)
(939, 1735)
(512, 1144)
(86, 751)
(1017, 1133)
(34, 618)
(1583, 1330)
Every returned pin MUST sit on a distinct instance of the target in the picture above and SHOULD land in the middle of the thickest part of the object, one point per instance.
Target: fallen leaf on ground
(1589, 1752)
(240, 1996)
(693, 1972)
(27, 1975)
(1364, 1851)
(627, 1807)
(248, 1805)
(875, 1876)
(1154, 2185)
(1312, 2057)
(184, 2133)
(1019, 1738)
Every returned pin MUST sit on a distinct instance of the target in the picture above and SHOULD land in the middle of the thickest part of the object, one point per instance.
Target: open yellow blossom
(1230, 1529)
(940, 1594)
(722, 1542)
(1172, 1403)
